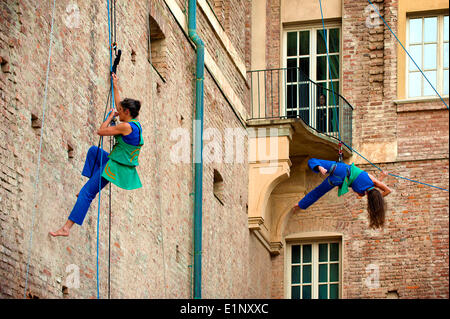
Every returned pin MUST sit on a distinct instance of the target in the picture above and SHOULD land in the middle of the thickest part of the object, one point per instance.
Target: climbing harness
(331, 173)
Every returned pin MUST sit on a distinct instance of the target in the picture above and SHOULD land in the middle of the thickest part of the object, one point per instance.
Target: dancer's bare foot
(62, 232)
(78, 194)
(296, 209)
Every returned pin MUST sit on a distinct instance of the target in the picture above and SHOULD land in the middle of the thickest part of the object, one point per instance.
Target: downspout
(198, 145)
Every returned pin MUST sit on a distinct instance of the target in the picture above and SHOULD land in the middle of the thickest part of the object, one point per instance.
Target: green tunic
(123, 159)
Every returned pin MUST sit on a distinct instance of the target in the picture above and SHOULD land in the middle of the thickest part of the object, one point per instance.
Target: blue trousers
(92, 168)
(328, 184)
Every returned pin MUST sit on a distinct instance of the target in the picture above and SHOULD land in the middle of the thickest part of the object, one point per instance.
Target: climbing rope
(108, 102)
(336, 106)
(408, 53)
(44, 108)
(114, 69)
(109, 232)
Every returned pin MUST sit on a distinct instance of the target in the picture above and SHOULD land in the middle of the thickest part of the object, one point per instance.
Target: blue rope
(408, 54)
(336, 118)
(393, 175)
(101, 153)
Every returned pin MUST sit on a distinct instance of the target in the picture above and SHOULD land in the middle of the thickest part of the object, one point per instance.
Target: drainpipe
(198, 144)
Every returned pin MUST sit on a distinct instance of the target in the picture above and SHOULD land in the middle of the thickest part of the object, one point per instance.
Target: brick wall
(260, 275)
(223, 59)
(154, 224)
(422, 134)
(230, 15)
(273, 26)
(149, 225)
(412, 249)
(369, 70)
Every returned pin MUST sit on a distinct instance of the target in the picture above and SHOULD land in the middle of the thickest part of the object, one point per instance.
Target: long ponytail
(376, 207)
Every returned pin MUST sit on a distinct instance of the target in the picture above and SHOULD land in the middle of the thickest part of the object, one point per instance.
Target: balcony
(286, 95)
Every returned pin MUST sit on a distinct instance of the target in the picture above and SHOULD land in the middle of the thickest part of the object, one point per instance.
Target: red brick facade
(412, 249)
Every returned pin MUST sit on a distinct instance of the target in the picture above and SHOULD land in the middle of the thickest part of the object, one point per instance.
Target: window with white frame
(428, 45)
(314, 270)
(306, 59)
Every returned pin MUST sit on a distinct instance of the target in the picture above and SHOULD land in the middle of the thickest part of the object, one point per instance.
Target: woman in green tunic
(118, 167)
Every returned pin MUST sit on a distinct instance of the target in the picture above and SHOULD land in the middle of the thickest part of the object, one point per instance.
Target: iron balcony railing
(288, 93)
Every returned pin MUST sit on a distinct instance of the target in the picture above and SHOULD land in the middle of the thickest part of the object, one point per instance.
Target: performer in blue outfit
(118, 167)
(345, 176)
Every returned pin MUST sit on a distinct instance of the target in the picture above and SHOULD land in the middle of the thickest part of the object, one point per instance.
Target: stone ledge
(420, 104)
(273, 248)
(254, 223)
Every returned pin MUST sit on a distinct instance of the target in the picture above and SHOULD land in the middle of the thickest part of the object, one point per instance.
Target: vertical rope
(325, 34)
(101, 153)
(98, 214)
(109, 228)
(108, 99)
(40, 150)
(110, 149)
(115, 34)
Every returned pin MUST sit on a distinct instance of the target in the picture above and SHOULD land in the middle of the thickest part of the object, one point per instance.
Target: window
(305, 60)
(428, 45)
(218, 187)
(314, 270)
(157, 48)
